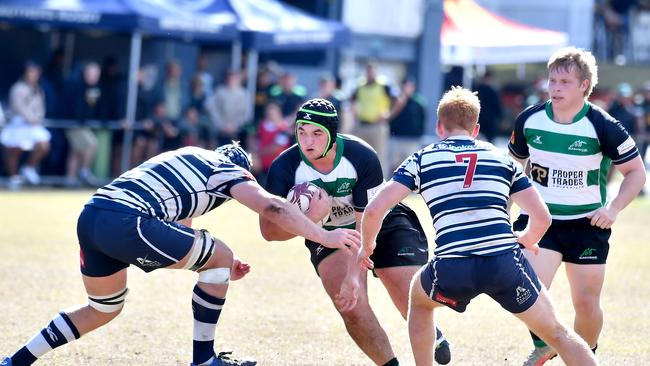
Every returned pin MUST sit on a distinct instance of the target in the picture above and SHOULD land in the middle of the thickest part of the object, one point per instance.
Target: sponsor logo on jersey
(372, 191)
(537, 140)
(588, 254)
(523, 294)
(626, 146)
(557, 178)
(567, 178)
(144, 262)
(539, 174)
(578, 145)
(344, 188)
(341, 211)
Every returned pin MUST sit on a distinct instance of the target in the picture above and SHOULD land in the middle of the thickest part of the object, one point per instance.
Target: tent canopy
(473, 35)
(268, 25)
(157, 17)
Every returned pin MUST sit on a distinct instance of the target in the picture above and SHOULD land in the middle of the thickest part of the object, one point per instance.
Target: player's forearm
(370, 226)
(537, 226)
(539, 217)
(289, 218)
(631, 185)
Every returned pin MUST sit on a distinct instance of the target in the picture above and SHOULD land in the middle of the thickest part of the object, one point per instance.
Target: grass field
(279, 313)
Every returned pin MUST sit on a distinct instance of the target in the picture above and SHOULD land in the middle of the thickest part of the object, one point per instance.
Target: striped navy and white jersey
(173, 186)
(466, 185)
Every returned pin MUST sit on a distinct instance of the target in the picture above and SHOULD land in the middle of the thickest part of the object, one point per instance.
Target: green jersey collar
(576, 118)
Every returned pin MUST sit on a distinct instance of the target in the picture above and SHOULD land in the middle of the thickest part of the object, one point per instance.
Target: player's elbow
(275, 208)
(372, 212)
(265, 229)
(268, 229)
(543, 218)
(267, 235)
(547, 219)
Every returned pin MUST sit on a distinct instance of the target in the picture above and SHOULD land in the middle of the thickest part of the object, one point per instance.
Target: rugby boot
(442, 353)
(539, 356)
(223, 359)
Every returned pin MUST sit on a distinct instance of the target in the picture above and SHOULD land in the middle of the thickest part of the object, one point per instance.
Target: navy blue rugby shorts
(508, 278)
(110, 241)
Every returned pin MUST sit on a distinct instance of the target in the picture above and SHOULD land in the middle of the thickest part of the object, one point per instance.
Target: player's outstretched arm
(319, 207)
(388, 196)
(531, 201)
(289, 218)
(634, 177)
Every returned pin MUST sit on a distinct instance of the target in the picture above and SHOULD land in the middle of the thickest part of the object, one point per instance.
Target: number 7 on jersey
(470, 159)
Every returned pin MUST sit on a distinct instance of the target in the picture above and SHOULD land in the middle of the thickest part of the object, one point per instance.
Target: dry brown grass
(279, 313)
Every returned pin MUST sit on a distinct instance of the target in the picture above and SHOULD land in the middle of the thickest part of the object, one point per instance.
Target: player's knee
(556, 334)
(107, 307)
(587, 305)
(356, 314)
(211, 258)
(208, 252)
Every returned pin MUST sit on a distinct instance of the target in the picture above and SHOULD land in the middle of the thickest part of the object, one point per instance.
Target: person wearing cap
(348, 173)
(143, 218)
(570, 144)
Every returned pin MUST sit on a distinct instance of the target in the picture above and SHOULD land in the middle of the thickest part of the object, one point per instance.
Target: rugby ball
(301, 195)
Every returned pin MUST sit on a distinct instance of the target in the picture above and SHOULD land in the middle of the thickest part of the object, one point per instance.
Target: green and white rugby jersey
(569, 162)
(356, 176)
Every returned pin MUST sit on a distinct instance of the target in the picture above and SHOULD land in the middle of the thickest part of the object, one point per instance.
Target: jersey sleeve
(519, 179)
(369, 177)
(280, 177)
(408, 173)
(518, 145)
(226, 176)
(616, 143)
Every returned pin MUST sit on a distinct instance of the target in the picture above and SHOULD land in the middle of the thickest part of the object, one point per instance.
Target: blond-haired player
(570, 144)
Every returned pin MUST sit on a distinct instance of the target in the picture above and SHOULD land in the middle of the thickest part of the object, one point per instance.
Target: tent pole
(68, 53)
(236, 53)
(251, 77)
(131, 98)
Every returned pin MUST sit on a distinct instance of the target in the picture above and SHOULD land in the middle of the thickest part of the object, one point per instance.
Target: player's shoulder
(533, 109)
(357, 151)
(354, 145)
(599, 117)
(288, 159)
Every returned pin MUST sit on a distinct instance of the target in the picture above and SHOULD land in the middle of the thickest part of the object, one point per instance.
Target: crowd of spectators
(213, 110)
